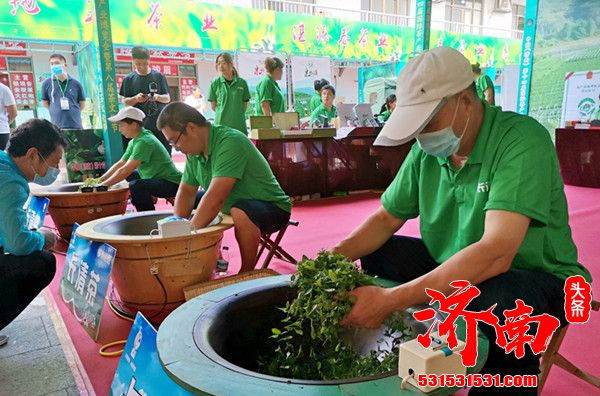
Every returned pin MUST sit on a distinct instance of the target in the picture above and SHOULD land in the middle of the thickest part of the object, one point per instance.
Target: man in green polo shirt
(234, 175)
(491, 204)
(156, 174)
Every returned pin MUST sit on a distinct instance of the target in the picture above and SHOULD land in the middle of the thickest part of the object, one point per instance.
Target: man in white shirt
(197, 100)
(8, 113)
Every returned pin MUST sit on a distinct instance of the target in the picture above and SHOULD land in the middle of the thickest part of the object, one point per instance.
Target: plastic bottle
(223, 262)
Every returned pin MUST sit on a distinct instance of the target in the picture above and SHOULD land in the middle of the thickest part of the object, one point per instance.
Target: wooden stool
(552, 357)
(273, 248)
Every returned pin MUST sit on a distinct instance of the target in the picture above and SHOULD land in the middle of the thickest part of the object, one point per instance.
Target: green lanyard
(63, 92)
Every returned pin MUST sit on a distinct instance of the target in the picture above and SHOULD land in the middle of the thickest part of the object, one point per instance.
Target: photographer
(147, 90)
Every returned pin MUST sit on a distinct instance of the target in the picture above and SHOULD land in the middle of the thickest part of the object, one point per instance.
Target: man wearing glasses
(156, 174)
(234, 175)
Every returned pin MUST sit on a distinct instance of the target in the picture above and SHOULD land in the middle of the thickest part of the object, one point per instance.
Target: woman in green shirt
(269, 98)
(387, 108)
(229, 95)
(484, 85)
(315, 100)
(158, 176)
(326, 111)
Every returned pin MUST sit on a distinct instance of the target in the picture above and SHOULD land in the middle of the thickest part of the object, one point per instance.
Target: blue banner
(139, 371)
(531, 11)
(36, 211)
(85, 280)
(422, 25)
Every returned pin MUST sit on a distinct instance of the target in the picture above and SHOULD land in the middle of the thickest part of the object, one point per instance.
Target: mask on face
(442, 143)
(50, 177)
(57, 70)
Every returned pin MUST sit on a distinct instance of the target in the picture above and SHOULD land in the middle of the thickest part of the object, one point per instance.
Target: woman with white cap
(158, 176)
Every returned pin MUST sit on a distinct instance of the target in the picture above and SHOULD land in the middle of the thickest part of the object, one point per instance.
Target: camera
(153, 89)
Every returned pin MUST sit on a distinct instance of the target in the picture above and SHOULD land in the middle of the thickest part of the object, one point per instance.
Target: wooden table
(578, 153)
(347, 162)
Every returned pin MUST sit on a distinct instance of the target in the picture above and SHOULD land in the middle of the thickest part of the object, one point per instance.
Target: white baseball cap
(423, 86)
(128, 112)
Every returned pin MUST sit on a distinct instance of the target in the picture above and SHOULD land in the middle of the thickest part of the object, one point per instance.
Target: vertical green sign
(108, 86)
(531, 11)
(422, 25)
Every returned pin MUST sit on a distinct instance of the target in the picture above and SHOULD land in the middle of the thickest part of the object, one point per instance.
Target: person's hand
(372, 304)
(141, 98)
(49, 238)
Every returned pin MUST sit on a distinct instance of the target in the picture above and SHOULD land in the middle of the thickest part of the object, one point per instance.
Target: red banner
(159, 56)
(23, 88)
(3, 63)
(166, 70)
(17, 48)
(186, 86)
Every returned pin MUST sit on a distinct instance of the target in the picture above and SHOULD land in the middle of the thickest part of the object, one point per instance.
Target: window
(518, 19)
(463, 12)
(393, 7)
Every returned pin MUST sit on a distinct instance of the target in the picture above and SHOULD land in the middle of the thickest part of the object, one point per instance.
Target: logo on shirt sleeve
(483, 187)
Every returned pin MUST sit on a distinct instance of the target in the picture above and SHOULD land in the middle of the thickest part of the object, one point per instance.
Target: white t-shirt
(6, 99)
(196, 103)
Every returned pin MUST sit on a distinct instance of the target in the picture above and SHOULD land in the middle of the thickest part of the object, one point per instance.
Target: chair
(273, 248)
(552, 357)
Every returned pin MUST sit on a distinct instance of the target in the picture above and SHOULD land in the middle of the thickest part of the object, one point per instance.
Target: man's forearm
(130, 101)
(207, 210)
(475, 263)
(164, 98)
(369, 236)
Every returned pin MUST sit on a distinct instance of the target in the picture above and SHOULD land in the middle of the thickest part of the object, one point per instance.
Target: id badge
(64, 103)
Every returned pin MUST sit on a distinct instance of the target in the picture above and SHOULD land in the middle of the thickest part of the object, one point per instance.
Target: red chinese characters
(382, 41)
(322, 35)
(298, 33)
(30, 7)
(209, 23)
(363, 38)
(512, 335)
(343, 40)
(154, 18)
(578, 299)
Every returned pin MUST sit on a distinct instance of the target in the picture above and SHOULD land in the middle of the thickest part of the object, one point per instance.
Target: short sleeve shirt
(156, 162)
(385, 115)
(232, 154)
(268, 90)
(6, 99)
(53, 90)
(315, 101)
(482, 83)
(230, 98)
(513, 167)
(134, 84)
(321, 111)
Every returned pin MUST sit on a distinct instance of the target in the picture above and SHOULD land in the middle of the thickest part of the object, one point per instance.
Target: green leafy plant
(311, 343)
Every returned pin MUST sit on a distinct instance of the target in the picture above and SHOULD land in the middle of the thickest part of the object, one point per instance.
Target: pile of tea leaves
(310, 342)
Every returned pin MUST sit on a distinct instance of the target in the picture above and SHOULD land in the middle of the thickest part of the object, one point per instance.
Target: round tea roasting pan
(210, 345)
(150, 272)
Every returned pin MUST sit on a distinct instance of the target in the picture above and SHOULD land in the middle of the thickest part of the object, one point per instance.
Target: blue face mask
(442, 143)
(50, 176)
(57, 70)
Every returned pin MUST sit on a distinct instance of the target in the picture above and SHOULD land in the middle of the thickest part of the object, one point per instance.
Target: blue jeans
(403, 259)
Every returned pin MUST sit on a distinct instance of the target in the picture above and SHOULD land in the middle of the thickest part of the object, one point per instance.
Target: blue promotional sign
(422, 25)
(36, 211)
(531, 11)
(85, 280)
(139, 371)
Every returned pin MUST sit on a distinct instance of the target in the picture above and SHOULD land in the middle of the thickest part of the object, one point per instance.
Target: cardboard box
(259, 122)
(265, 133)
(286, 120)
(324, 132)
